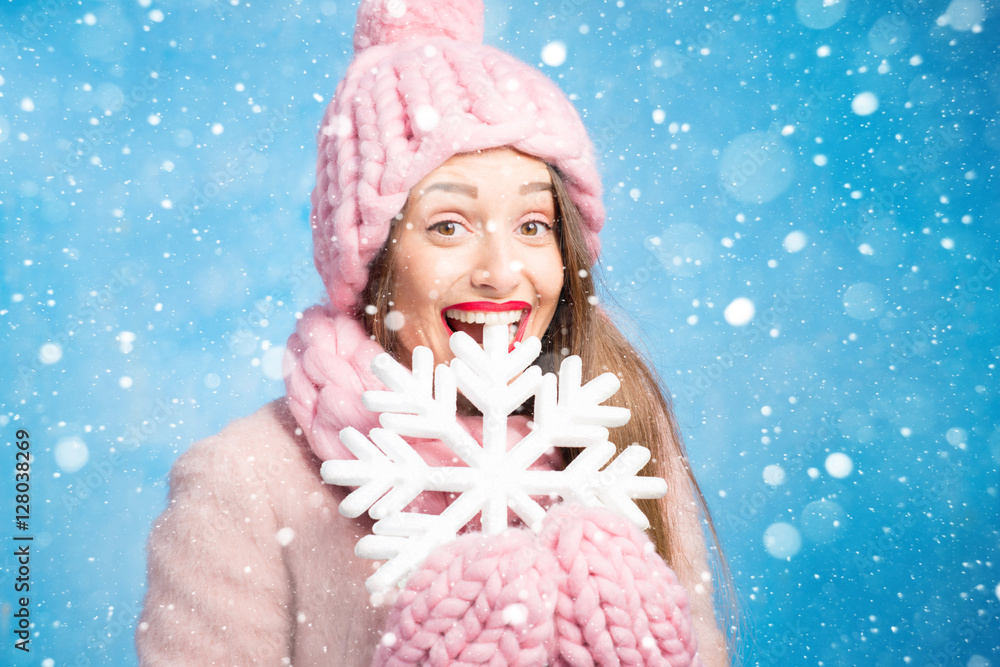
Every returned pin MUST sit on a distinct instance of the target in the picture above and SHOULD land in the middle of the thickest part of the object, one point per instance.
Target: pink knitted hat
(421, 89)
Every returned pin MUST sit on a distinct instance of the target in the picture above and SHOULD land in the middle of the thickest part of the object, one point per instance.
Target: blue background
(156, 160)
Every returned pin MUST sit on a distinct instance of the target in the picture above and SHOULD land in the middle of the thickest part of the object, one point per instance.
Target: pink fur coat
(251, 563)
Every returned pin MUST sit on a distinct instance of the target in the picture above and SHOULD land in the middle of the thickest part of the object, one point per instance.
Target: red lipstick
(492, 307)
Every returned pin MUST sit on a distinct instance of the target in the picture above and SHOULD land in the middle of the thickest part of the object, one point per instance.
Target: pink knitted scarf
(327, 368)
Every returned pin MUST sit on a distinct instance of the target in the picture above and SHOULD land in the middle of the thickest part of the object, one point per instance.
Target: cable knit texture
(421, 89)
(588, 590)
(327, 368)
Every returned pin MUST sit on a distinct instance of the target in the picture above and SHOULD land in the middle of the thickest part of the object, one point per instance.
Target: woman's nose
(497, 270)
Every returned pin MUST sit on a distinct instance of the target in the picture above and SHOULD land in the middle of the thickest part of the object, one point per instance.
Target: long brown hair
(579, 327)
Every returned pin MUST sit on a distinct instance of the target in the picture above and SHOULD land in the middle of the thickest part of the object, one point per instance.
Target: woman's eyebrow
(537, 186)
(461, 188)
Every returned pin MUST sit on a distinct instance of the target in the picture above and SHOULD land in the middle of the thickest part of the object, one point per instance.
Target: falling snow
(800, 216)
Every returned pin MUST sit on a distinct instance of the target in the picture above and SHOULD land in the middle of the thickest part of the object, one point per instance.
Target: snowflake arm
(410, 408)
(613, 487)
(385, 462)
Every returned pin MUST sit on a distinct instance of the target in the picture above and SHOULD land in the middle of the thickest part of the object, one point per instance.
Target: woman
(452, 179)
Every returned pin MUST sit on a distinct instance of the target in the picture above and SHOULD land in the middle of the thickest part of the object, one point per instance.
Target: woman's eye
(534, 228)
(445, 228)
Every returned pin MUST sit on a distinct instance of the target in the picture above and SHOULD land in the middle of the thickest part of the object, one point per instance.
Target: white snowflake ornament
(390, 474)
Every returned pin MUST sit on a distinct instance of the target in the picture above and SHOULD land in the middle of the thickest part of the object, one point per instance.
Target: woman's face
(478, 244)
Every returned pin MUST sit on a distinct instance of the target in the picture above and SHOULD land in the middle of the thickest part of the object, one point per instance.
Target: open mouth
(472, 316)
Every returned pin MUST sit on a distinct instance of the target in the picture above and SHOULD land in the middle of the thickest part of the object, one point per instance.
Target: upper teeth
(478, 317)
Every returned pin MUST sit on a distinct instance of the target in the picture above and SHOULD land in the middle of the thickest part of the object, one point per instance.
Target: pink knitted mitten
(588, 590)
